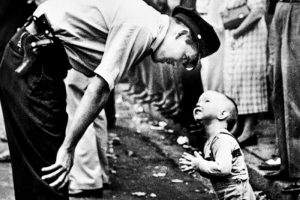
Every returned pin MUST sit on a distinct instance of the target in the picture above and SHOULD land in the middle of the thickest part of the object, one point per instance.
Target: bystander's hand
(57, 175)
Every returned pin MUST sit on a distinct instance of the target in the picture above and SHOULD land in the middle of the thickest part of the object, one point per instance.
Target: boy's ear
(223, 115)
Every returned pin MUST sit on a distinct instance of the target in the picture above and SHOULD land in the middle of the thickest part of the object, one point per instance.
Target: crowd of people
(254, 65)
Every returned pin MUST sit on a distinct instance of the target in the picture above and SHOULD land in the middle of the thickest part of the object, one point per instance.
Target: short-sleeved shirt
(105, 37)
(219, 153)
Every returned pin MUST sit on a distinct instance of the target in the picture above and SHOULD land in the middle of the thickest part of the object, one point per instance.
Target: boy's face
(209, 106)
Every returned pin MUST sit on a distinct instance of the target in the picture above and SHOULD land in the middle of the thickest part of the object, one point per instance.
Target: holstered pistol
(28, 44)
(31, 45)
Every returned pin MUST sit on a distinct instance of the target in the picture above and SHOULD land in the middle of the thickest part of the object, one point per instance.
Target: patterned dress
(245, 66)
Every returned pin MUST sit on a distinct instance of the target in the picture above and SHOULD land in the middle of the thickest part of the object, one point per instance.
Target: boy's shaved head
(217, 103)
(233, 113)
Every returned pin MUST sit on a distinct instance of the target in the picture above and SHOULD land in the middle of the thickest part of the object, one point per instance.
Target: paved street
(140, 169)
(137, 166)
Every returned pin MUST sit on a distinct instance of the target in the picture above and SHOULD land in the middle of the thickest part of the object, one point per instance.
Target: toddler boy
(223, 161)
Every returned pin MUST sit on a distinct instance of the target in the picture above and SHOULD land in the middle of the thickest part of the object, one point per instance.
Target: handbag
(235, 16)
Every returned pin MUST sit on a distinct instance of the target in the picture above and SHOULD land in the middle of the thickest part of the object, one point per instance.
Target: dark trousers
(34, 109)
(285, 49)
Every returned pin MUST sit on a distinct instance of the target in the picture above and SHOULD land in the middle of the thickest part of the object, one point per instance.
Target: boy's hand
(189, 163)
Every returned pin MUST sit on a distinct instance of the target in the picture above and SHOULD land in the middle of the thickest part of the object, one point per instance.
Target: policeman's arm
(93, 101)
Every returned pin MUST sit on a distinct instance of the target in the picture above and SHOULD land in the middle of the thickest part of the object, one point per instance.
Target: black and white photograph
(149, 99)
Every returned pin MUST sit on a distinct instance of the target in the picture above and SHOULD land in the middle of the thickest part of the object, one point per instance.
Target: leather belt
(290, 1)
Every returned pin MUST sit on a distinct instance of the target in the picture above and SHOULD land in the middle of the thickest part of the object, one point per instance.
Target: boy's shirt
(224, 158)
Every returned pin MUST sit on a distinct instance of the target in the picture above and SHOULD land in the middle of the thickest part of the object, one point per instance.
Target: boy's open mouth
(197, 110)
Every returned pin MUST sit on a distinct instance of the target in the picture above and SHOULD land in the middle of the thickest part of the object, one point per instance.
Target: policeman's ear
(223, 115)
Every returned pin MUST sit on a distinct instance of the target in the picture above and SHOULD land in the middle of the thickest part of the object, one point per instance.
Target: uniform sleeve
(125, 44)
(222, 153)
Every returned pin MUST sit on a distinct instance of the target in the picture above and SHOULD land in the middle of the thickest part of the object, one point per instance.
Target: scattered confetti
(152, 195)
(139, 194)
(130, 153)
(160, 171)
(177, 181)
(182, 140)
(160, 174)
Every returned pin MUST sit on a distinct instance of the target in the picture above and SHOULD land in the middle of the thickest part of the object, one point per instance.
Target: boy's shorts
(234, 190)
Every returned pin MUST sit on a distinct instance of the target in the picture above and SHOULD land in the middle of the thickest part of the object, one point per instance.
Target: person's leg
(290, 65)
(35, 117)
(144, 79)
(87, 172)
(238, 128)
(2, 128)
(101, 132)
(212, 68)
(273, 162)
(277, 89)
(4, 153)
(110, 110)
(248, 136)
(136, 82)
(172, 94)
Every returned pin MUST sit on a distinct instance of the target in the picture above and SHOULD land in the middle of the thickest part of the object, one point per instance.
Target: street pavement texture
(145, 163)
(140, 170)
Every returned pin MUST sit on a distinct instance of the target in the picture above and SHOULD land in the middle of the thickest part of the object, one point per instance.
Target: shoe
(291, 189)
(5, 156)
(278, 175)
(147, 99)
(159, 103)
(151, 98)
(140, 96)
(250, 141)
(274, 161)
(271, 164)
(265, 166)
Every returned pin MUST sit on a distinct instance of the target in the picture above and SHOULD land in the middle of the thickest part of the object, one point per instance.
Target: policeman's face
(209, 106)
(176, 49)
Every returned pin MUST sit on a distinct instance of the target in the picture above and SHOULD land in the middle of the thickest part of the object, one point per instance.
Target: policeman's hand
(57, 175)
